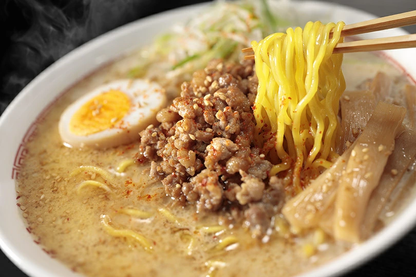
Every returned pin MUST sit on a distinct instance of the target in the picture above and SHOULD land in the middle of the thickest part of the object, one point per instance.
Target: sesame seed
(368, 175)
(394, 172)
(222, 96)
(178, 185)
(192, 136)
(365, 150)
(209, 78)
(214, 85)
(262, 156)
(206, 97)
(381, 147)
(347, 98)
(348, 143)
(209, 130)
(154, 134)
(204, 89)
(180, 129)
(114, 119)
(150, 126)
(353, 153)
(195, 106)
(208, 103)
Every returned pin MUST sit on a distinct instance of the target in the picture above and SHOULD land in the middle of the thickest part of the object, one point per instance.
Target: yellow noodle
(212, 229)
(92, 169)
(169, 216)
(105, 220)
(282, 226)
(213, 267)
(224, 243)
(191, 239)
(136, 213)
(124, 164)
(300, 83)
(93, 184)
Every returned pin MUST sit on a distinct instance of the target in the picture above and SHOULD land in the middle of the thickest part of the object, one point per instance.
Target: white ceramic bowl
(17, 123)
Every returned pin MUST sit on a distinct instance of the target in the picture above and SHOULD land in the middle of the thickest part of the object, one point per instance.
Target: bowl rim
(339, 265)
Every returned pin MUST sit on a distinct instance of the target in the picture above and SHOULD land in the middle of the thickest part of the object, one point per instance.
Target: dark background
(35, 33)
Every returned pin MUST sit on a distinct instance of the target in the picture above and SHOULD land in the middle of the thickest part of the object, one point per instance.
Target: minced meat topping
(203, 149)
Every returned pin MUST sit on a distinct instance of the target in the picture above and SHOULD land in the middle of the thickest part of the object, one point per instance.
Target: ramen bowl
(18, 123)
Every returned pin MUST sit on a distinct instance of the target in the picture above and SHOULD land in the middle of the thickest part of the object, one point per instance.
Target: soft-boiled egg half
(112, 114)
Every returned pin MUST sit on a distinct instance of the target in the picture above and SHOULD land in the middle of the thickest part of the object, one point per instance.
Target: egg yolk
(100, 113)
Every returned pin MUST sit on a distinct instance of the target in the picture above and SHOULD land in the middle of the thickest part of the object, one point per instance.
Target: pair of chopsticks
(383, 23)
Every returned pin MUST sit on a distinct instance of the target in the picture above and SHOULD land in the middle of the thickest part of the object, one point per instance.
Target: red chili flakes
(128, 193)
(131, 146)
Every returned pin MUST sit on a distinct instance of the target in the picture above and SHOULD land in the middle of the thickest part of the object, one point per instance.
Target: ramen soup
(150, 176)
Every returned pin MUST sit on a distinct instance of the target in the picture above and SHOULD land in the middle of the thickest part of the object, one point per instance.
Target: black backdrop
(35, 33)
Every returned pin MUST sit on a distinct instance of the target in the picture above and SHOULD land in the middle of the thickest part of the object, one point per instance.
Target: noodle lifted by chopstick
(300, 83)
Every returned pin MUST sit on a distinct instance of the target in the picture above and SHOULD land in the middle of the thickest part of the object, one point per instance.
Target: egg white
(146, 98)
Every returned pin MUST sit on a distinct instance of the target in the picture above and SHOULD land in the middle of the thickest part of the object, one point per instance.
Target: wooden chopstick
(377, 44)
(378, 24)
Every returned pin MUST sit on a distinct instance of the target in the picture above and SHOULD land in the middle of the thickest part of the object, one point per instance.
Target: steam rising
(50, 29)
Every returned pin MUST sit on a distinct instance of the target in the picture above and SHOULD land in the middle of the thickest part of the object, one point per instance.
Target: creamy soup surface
(68, 222)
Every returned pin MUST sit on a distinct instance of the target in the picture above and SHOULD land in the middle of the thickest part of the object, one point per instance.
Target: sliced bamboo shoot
(399, 193)
(397, 164)
(381, 86)
(364, 168)
(306, 208)
(410, 93)
(356, 109)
